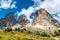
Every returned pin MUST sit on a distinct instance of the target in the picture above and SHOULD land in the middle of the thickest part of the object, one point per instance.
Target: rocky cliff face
(42, 17)
(23, 20)
(3, 23)
(10, 19)
(57, 24)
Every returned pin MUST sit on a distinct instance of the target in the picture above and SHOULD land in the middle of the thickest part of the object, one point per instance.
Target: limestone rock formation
(3, 23)
(23, 20)
(42, 17)
(10, 19)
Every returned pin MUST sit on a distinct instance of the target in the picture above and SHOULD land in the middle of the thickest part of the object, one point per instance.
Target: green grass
(18, 35)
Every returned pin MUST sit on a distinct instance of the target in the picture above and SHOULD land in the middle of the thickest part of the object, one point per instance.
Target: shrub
(21, 30)
(37, 33)
(29, 32)
(18, 38)
(5, 31)
(44, 34)
(0, 37)
(15, 29)
(25, 29)
(8, 29)
(56, 33)
(59, 32)
(18, 29)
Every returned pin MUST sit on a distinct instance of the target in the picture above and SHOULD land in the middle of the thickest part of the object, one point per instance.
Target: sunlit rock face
(43, 18)
(23, 20)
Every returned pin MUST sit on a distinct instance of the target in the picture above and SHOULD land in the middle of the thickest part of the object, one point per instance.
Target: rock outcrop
(23, 20)
(57, 24)
(43, 18)
(10, 19)
(3, 23)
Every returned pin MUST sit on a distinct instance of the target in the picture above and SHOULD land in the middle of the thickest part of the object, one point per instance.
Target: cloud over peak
(27, 12)
(52, 6)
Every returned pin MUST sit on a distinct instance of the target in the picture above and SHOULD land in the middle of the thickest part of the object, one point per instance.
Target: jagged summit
(10, 18)
(23, 20)
(42, 12)
(8, 21)
(42, 17)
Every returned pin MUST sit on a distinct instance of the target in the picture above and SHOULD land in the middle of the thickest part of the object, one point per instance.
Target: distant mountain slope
(42, 17)
(23, 20)
(42, 20)
(10, 18)
(9, 21)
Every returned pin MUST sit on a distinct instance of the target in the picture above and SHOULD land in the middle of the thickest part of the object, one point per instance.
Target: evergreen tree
(15, 29)
(19, 29)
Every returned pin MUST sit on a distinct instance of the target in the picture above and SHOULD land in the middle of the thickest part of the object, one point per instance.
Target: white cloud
(37, 2)
(13, 5)
(5, 4)
(52, 6)
(27, 12)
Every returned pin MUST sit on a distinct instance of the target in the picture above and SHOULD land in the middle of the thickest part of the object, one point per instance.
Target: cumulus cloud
(5, 4)
(37, 2)
(52, 6)
(13, 5)
(27, 12)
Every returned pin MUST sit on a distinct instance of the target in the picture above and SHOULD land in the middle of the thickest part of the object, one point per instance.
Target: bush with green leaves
(15, 29)
(24, 29)
(18, 29)
(18, 38)
(56, 33)
(29, 32)
(44, 34)
(59, 32)
(21, 30)
(8, 30)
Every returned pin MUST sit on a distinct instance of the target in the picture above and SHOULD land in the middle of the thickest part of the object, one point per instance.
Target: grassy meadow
(21, 34)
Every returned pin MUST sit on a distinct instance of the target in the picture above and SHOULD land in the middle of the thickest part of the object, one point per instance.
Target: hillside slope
(21, 35)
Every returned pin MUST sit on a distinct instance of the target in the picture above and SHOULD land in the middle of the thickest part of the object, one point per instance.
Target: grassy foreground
(21, 35)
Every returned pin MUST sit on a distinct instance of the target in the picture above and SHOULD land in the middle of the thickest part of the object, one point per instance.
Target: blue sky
(29, 7)
(20, 4)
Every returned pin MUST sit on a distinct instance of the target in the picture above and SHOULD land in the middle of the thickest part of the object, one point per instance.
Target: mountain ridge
(41, 18)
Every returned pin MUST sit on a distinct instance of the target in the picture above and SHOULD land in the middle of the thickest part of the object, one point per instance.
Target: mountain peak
(23, 20)
(42, 17)
(42, 11)
(10, 18)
